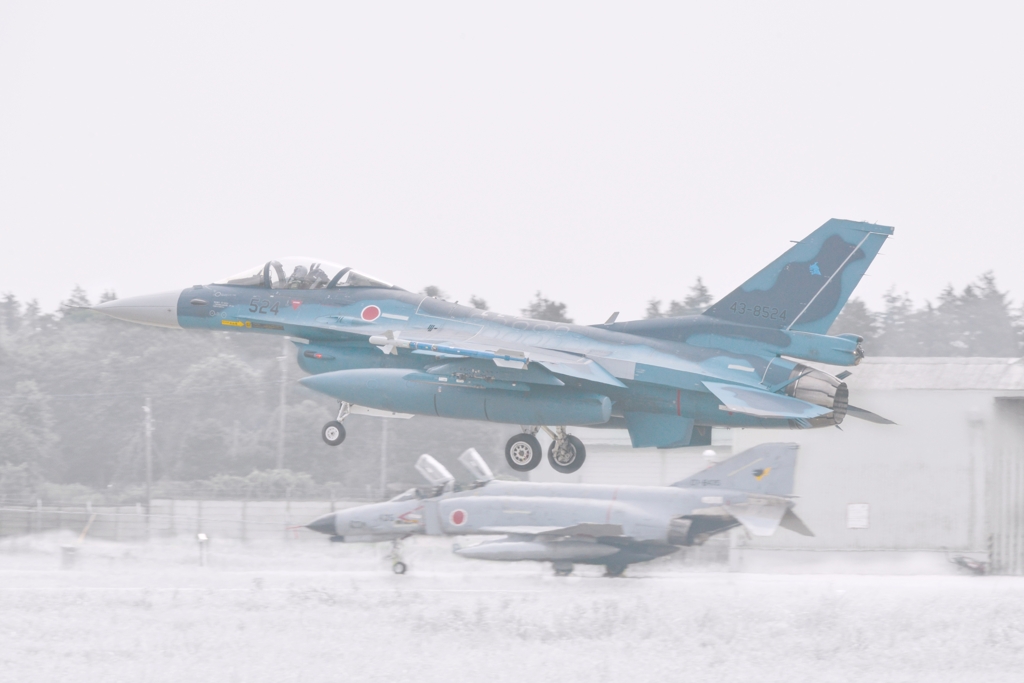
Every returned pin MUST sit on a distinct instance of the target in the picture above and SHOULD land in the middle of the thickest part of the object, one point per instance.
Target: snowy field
(311, 612)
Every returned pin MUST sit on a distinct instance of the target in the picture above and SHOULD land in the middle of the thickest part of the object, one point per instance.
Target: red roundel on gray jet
(370, 313)
(458, 517)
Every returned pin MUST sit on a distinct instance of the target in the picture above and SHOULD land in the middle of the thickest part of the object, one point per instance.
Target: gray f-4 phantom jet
(614, 526)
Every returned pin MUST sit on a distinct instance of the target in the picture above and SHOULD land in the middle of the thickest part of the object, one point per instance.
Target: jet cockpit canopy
(301, 273)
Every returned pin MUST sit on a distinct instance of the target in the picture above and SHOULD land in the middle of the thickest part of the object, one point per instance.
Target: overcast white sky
(601, 154)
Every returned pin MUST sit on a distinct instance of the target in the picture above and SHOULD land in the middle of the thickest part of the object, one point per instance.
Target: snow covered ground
(327, 612)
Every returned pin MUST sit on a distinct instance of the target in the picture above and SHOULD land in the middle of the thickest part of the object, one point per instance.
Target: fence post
(287, 513)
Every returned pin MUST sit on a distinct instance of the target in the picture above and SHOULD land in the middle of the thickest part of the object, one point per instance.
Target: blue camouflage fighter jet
(382, 350)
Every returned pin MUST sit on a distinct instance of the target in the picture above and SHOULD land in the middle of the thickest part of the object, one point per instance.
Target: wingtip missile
(388, 343)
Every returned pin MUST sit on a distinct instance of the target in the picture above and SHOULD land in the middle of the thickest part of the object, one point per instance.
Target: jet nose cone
(151, 309)
(324, 525)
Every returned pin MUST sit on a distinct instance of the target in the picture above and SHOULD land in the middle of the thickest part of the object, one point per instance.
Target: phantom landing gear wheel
(562, 568)
(523, 452)
(333, 433)
(614, 570)
(568, 455)
(399, 567)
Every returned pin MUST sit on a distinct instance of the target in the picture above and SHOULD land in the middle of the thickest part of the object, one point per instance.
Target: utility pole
(148, 409)
(384, 458)
(283, 359)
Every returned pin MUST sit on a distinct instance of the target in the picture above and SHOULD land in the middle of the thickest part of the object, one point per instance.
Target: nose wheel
(333, 432)
(398, 564)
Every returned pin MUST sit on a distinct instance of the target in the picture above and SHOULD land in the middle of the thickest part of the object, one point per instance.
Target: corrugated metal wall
(1005, 484)
(916, 477)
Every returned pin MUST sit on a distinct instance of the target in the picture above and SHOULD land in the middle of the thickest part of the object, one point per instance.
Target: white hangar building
(946, 480)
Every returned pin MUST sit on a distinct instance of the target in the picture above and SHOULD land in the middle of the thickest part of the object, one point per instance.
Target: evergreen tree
(10, 314)
(856, 318)
(434, 291)
(546, 309)
(653, 309)
(896, 335)
(694, 303)
(78, 299)
(27, 434)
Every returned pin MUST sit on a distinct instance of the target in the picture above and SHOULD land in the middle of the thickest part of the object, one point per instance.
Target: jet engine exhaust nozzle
(821, 389)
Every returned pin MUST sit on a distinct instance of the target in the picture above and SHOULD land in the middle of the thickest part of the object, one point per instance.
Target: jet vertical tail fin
(806, 287)
(768, 469)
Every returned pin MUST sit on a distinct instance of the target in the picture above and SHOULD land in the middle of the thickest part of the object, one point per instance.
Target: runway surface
(319, 612)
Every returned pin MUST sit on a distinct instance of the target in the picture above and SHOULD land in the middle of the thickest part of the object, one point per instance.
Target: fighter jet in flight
(382, 350)
(568, 524)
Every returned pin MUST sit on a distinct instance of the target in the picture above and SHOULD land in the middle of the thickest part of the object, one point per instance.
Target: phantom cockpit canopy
(301, 273)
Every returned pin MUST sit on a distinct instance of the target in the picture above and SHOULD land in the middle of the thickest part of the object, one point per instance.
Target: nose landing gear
(333, 432)
(398, 565)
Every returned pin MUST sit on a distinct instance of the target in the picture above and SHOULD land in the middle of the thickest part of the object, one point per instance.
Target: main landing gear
(566, 453)
(562, 568)
(614, 569)
(333, 432)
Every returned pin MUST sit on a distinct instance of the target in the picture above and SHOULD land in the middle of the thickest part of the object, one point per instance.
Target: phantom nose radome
(324, 525)
(151, 309)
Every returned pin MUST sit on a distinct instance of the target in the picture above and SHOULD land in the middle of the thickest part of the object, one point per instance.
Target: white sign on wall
(857, 516)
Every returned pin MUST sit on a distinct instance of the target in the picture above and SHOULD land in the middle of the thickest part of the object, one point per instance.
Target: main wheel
(568, 459)
(562, 568)
(399, 567)
(614, 570)
(523, 452)
(333, 433)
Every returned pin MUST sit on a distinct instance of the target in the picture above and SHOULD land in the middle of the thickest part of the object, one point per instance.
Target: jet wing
(760, 403)
(558, 362)
(500, 353)
(586, 529)
(577, 530)
(583, 368)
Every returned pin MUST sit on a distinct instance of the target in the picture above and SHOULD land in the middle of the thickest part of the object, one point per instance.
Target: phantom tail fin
(767, 469)
(805, 288)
